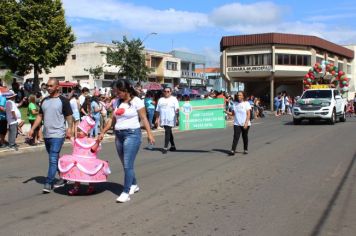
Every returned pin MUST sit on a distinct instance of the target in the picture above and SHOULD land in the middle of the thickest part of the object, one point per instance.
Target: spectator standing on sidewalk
(55, 110)
(74, 104)
(241, 110)
(11, 116)
(32, 114)
(166, 112)
(95, 108)
(3, 121)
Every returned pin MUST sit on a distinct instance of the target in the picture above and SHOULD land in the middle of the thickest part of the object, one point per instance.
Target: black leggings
(237, 131)
(168, 136)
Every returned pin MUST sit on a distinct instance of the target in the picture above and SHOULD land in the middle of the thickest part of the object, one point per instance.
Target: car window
(317, 94)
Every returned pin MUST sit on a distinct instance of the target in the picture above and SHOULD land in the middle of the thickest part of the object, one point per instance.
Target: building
(189, 63)
(273, 62)
(213, 78)
(171, 69)
(82, 57)
(165, 68)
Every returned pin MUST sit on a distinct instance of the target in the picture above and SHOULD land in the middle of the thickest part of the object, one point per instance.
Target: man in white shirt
(166, 113)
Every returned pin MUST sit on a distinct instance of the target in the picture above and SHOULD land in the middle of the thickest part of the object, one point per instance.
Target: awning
(67, 84)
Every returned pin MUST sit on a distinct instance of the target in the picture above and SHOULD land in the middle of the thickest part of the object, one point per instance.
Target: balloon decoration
(326, 73)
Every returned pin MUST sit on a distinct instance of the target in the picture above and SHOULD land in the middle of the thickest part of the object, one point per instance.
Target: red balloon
(341, 73)
(306, 76)
(333, 72)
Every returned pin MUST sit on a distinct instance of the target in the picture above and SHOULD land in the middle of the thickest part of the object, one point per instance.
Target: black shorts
(3, 127)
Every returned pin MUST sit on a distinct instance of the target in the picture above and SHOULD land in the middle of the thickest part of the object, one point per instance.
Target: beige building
(270, 63)
(165, 67)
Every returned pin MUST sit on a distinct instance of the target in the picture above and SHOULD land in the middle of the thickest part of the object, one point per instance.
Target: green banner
(202, 114)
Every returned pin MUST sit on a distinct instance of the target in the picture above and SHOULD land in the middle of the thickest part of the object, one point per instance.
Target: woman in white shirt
(74, 104)
(126, 117)
(167, 110)
(241, 110)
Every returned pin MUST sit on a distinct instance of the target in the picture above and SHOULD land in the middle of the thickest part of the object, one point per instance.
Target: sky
(197, 26)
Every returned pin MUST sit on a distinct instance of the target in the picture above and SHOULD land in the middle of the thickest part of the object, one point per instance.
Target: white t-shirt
(11, 106)
(129, 119)
(74, 105)
(167, 108)
(240, 110)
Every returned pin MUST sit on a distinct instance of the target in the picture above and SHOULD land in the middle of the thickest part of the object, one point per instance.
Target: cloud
(253, 14)
(136, 17)
(331, 17)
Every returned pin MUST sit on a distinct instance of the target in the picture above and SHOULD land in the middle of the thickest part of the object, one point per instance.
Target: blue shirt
(2, 104)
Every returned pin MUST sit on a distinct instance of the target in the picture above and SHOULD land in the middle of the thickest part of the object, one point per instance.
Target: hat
(86, 124)
(9, 94)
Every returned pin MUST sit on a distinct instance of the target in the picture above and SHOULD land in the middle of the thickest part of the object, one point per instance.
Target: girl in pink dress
(83, 165)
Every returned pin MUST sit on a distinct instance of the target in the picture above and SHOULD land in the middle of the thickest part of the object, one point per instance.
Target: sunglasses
(167, 91)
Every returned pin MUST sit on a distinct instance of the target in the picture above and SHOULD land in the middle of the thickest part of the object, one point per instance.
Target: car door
(338, 101)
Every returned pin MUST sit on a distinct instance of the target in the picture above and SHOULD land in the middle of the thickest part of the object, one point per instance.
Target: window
(306, 60)
(171, 65)
(348, 69)
(293, 60)
(340, 66)
(74, 57)
(319, 60)
(155, 62)
(249, 60)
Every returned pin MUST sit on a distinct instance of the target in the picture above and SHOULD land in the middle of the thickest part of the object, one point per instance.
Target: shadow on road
(115, 188)
(38, 179)
(324, 217)
(222, 150)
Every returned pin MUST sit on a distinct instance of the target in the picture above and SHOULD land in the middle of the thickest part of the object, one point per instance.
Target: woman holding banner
(166, 113)
(241, 110)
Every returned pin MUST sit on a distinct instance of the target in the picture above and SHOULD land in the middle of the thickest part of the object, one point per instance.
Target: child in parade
(83, 165)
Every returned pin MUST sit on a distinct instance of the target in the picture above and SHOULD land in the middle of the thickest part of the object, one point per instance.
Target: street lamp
(148, 35)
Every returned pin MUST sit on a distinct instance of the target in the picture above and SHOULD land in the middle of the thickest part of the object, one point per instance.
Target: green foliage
(33, 35)
(96, 72)
(130, 58)
(8, 78)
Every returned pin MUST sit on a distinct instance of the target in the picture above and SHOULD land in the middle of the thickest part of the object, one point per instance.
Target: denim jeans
(94, 131)
(12, 135)
(53, 147)
(150, 114)
(128, 142)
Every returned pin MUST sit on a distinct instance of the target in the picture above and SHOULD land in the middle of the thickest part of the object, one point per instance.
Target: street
(296, 180)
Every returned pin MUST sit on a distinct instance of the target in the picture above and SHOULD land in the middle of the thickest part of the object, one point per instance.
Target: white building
(273, 62)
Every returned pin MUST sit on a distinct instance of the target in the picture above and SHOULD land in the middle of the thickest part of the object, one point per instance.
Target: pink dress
(83, 165)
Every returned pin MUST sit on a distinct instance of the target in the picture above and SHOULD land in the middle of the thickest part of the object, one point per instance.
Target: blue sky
(197, 26)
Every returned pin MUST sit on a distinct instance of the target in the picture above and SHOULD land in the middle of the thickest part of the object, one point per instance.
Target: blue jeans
(128, 142)
(94, 131)
(150, 114)
(53, 147)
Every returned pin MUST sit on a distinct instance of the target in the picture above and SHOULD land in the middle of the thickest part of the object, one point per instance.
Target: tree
(129, 57)
(34, 35)
(96, 72)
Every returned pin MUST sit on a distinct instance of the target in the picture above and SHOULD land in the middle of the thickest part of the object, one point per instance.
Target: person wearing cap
(12, 115)
(55, 111)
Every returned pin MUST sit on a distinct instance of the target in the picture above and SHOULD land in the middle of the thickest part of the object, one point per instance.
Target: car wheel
(296, 121)
(343, 116)
(333, 117)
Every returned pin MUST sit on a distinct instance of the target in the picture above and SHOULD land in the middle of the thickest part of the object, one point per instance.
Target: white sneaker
(134, 189)
(124, 197)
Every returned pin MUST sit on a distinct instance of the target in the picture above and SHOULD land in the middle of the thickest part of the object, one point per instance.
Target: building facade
(189, 63)
(270, 63)
(170, 69)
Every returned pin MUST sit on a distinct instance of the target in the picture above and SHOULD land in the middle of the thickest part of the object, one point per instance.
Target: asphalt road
(296, 180)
